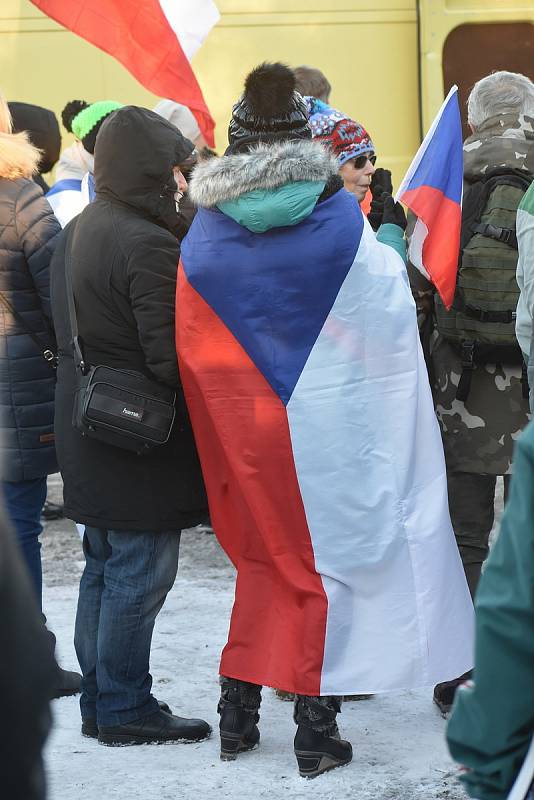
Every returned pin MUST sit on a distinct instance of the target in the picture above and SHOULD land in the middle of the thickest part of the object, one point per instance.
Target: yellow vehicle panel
(389, 61)
(367, 49)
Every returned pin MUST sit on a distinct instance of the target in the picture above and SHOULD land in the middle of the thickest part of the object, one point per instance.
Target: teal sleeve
(393, 236)
(493, 717)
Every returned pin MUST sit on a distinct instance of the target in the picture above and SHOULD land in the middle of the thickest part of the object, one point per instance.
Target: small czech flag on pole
(432, 189)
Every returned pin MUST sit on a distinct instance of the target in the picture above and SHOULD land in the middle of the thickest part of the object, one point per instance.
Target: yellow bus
(390, 62)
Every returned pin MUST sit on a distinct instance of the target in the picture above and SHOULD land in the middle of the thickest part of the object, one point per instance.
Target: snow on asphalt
(398, 740)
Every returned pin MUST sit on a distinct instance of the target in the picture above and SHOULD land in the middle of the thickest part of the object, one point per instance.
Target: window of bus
(472, 51)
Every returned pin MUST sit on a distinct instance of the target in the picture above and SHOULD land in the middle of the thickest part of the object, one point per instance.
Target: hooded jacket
(123, 252)
(28, 231)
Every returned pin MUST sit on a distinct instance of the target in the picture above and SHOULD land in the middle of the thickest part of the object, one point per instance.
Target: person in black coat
(123, 252)
(28, 678)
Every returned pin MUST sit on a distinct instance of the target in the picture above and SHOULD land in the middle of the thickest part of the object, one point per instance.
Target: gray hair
(500, 93)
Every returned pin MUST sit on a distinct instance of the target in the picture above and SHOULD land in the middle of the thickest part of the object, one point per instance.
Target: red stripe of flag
(138, 35)
(443, 219)
(278, 626)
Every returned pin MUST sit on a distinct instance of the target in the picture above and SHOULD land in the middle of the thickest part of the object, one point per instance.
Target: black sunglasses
(361, 161)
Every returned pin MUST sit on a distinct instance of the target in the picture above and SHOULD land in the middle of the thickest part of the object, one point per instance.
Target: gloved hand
(393, 212)
(381, 182)
(380, 187)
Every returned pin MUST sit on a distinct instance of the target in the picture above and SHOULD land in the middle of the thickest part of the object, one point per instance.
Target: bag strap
(48, 354)
(504, 235)
(77, 346)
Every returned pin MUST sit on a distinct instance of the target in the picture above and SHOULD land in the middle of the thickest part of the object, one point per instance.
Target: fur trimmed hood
(18, 158)
(267, 166)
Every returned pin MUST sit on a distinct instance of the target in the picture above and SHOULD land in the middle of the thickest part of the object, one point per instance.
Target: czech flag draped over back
(306, 386)
(153, 39)
(432, 189)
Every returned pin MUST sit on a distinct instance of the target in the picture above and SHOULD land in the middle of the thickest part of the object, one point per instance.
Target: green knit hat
(84, 122)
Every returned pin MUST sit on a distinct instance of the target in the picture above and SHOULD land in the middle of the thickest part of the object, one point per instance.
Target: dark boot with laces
(238, 707)
(318, 745)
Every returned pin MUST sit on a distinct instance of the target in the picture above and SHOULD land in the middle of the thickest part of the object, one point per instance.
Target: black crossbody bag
(119, 407)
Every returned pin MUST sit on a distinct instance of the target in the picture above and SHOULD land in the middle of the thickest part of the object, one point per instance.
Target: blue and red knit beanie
(343, 136)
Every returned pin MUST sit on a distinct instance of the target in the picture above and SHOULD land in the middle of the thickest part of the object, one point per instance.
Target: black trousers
(471, 505)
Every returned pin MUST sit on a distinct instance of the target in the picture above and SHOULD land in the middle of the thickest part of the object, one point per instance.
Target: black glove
(380, 187)
(376, 211)
(393, 213)
(381, 182)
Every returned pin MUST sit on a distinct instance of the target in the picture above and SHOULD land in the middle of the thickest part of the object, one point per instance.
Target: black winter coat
(124, 261)
(28, 234)
(28, 677)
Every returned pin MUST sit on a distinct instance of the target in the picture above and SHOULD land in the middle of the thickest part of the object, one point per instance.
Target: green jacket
(492, 722)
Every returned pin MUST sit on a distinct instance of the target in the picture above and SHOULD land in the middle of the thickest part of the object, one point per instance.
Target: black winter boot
(68, 683)
(90, 728)
(444, 693)
(318, 745)
(157, 728)
(238, 707)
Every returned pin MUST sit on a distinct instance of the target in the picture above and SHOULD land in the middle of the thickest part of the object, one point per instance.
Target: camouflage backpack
(481, 322)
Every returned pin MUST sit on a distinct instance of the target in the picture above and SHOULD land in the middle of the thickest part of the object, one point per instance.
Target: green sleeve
(393, 236)
(493, 717)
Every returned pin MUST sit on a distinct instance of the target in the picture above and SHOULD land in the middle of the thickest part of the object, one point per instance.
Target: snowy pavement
(398, 740)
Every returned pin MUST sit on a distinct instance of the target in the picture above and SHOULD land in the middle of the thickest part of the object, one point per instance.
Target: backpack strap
(467, 356)
(476, 196)
(503, 317)
(504, 235)
(474, 201)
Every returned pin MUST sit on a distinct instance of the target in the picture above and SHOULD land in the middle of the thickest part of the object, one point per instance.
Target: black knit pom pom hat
(269, 110)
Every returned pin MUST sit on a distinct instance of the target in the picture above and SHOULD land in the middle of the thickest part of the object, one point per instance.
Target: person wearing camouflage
(479, 431)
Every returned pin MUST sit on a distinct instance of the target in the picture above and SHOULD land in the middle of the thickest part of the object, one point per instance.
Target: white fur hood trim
(267, 166)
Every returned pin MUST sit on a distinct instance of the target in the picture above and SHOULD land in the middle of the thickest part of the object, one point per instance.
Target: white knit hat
(180, 116)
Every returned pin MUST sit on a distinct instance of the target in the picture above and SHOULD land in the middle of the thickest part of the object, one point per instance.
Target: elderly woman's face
(357, 174)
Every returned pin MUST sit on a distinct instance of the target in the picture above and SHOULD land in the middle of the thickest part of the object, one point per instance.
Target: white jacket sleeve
(525, 271)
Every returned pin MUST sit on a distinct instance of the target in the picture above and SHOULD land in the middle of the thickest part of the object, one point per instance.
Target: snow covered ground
(398, 740)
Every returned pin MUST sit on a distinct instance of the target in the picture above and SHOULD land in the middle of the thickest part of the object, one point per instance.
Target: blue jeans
(125, 582)
(24, 501)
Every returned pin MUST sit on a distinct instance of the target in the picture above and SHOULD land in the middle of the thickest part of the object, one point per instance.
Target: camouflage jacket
(478, 435)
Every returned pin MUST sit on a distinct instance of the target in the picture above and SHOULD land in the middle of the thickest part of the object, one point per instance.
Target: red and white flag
(153, 39)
